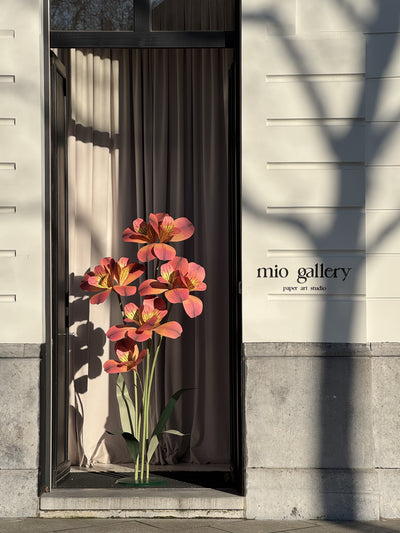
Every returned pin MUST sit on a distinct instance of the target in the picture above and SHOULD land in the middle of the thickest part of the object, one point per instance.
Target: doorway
(151, 130)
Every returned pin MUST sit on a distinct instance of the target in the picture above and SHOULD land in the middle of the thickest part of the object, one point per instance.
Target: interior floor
(176, 476)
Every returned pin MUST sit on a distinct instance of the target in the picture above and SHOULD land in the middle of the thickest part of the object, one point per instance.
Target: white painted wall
(21, 172)
(320, 166)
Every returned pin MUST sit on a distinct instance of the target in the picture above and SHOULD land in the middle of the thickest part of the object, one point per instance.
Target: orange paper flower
(111, 275)
(178, 279)
(129, 357)
(160, 230)
(147, 318)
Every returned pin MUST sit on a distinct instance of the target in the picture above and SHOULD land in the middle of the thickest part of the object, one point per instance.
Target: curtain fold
(149, 133)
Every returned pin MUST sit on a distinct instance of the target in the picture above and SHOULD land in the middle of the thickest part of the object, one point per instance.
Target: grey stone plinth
(308, 412)
(321, 349)
(279, 494)
(19, 413)
(19, 493)
(386, 406)
(20, 350)
(389, 484)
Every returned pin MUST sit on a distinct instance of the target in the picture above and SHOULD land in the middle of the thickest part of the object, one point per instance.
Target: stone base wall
(321, 430)
(19, 429)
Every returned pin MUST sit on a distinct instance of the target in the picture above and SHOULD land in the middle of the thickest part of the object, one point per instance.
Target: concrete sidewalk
(166, 525)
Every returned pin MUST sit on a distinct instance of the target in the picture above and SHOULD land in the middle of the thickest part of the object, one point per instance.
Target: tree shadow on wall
(344, 376)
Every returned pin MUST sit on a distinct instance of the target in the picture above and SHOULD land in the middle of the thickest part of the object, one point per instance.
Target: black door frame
(54, 462)
(143, 37)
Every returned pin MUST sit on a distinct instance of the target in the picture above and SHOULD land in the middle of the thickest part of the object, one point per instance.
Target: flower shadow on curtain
(87, 346)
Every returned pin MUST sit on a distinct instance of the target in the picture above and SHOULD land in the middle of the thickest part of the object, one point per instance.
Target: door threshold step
(143, 502)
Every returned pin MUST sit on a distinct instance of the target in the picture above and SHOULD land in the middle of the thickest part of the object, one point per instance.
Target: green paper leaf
(132, 443)
(174, 432)
(154, 441)
(167, 412)
(125, 404)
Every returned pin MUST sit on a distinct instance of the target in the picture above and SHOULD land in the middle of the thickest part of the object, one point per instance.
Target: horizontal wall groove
(7, 34)
(381, 33)
(8, 298)
(315, 209)
(7, 121)
(317, 295)
(7, 209)
(275, 122)
(7, 166)
(378, 254)
(290, 78)
(315, 253)
(7, 78)
(381, 209)
(313, 165)
(8, 253)
(384, 298)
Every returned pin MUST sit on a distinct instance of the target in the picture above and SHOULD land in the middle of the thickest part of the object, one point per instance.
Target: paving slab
(229, 526)
(115, 525)
(180, 526)
(379, 526)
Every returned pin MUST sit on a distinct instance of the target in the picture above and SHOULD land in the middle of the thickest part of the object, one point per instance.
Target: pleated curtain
(148, 132)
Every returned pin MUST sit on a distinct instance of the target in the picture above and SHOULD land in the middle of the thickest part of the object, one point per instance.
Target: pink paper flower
(160, 230)
(177, 280)
(111, 275)
(129, 357)
(147, 318)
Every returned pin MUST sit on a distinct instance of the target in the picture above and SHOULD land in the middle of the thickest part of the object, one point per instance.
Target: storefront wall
(22, 281)
(321, 234)
(321, 223)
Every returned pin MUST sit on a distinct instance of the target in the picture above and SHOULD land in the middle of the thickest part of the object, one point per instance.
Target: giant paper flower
(147, 318)
(177, 280)
(129, 357)
(111, 275)
(160, 230)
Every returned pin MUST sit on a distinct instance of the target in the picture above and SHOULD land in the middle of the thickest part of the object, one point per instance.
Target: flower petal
(172, 329)
(154, 221)
(193, 306)
(152, 286)
(141, 356)
(180, 263)
(177, 296)
(137, 233)
(196, 272)
(162, 251)
(131, 311)
(139, 335)
(100, 297)
(124, 290)
(146, 253)
(113, 367)
(125, 346)
(183, 229)
(116, 333)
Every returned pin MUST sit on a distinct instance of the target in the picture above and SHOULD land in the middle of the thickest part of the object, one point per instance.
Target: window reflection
(92, 15)
(194, 15)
